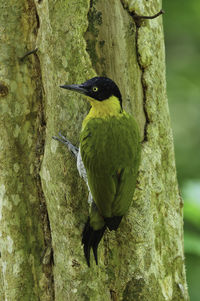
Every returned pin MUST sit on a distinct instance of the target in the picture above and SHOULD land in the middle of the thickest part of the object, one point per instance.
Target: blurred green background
(182, 38)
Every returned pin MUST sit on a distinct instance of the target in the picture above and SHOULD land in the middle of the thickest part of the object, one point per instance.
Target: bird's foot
(72, 148)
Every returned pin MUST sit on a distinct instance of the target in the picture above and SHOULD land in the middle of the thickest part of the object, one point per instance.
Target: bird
(108, 158)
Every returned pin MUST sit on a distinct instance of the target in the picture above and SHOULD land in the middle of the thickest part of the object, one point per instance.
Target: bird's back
(110, 150)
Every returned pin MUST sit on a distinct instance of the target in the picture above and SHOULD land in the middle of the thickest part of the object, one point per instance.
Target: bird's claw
(72, 148)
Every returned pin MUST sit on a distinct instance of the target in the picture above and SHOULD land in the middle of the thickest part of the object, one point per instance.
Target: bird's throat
(103, 109)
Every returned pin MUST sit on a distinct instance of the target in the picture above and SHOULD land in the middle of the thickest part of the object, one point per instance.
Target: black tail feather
(97, 238)
(91, 239)
(113, 222)
(86, 240)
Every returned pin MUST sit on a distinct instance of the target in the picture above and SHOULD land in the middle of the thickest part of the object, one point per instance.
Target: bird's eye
(95, 89)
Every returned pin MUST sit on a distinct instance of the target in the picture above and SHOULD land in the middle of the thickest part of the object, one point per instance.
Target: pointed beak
(76, 88)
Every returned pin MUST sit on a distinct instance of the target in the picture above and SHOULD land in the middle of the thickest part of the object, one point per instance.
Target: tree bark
(43, 202)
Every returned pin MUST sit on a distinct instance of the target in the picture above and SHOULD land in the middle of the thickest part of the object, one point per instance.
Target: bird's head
(98, 88)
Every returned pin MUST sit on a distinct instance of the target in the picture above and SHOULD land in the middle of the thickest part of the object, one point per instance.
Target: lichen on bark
(23, 233)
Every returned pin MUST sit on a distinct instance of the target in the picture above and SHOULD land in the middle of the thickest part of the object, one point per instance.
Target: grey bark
(43, 202)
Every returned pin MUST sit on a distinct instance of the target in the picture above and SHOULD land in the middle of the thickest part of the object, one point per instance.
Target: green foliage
(192, 243)
(181, 24)
(192, 227)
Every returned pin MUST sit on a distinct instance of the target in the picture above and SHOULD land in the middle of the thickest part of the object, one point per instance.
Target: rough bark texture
(43, 202)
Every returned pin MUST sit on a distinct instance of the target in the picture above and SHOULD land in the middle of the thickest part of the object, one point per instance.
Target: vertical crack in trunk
(144, 87)
(91, 34)
(47, 255)
(137, 22)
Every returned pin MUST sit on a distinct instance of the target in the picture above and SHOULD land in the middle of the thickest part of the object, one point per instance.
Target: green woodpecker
(108, 158)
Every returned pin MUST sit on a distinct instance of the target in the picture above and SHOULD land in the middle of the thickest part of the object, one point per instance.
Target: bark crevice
(144, 86)
(137, 22)
(94, 18)
(47, 260)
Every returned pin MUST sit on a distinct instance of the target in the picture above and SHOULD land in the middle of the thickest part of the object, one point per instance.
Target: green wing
(113, 194)
(110, 150)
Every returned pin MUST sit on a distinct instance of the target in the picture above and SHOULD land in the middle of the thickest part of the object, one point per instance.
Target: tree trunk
(43, 202)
